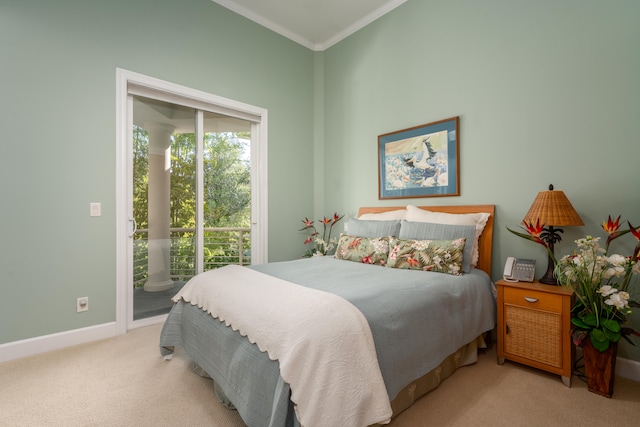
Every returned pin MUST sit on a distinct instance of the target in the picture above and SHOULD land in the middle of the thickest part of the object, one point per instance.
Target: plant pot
(599, 367)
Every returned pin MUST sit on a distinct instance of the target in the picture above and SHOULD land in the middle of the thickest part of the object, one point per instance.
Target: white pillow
(416, 214)
(384, 216)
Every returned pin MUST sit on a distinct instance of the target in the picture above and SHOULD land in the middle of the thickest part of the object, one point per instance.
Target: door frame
(129, 83)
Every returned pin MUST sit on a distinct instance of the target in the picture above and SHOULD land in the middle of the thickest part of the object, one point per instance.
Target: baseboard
(43, 344)
(628, 368)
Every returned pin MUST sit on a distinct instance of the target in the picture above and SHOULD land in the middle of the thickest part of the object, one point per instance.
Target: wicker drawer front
(533, 334)
(533, 299)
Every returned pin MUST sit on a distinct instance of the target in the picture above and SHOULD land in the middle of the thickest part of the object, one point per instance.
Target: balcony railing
(222, 246)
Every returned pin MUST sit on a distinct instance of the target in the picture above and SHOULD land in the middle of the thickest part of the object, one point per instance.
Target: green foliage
(227, 182)
(140, 176)
(227, 179)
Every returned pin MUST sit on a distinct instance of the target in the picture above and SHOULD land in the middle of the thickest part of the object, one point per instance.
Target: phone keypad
(524, 271)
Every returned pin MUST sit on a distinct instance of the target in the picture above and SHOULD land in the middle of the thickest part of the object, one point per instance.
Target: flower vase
(600, 367)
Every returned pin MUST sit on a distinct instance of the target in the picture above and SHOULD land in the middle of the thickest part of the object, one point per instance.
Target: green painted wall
(547, 92)
(57, 111)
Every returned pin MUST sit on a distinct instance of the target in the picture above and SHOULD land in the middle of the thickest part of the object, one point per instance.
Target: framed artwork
(422, 161)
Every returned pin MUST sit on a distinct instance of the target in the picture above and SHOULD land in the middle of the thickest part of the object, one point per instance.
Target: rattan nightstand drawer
(533, 299)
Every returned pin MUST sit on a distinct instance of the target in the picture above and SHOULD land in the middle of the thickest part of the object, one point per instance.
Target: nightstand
(534, 326)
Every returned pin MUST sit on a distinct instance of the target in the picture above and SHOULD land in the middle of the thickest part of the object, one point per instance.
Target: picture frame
(421, 161)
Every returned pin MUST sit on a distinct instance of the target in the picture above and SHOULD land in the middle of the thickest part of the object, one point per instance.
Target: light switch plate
(95, 209)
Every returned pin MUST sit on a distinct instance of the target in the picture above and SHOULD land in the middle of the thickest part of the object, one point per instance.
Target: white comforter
(322, 342)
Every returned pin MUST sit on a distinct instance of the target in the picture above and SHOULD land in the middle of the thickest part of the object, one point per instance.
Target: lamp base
(549, 278)
(548, 281)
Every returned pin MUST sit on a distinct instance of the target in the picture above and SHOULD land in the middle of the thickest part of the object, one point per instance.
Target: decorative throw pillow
(430, 231)
(443, 256)
(367, 228)
(479, 220)
(363, 249)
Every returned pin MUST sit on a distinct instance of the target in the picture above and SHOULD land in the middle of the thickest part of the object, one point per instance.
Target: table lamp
(552, 209)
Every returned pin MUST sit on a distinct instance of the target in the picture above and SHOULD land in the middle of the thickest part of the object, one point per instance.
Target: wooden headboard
(485, 243)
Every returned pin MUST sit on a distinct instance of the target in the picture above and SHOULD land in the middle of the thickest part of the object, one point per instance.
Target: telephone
(519, 269)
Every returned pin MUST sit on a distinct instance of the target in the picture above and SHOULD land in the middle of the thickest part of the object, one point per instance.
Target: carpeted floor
(123, 381)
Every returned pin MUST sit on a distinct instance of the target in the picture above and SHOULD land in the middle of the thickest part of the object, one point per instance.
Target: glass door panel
(164, 202)
(227, 191)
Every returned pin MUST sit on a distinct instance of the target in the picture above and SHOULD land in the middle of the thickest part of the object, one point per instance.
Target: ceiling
(316, 24)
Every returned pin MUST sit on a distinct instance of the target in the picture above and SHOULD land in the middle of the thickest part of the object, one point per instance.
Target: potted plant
(601, 312)
(320, 245)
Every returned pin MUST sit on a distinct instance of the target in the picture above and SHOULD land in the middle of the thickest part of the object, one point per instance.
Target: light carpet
(123, 381)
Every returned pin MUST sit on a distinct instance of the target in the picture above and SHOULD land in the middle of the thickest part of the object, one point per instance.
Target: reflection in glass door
(191, 198)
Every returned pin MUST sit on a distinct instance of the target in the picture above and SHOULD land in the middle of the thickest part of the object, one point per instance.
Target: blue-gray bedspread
(416, 318)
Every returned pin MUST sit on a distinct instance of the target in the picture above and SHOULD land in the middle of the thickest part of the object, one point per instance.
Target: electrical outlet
(82, 304)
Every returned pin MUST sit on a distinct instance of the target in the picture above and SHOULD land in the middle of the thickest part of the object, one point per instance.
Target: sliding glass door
(191, 198)
(191, 190)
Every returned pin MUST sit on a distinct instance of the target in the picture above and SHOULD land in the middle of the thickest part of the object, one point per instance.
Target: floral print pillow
(443, 256)
(366, 250)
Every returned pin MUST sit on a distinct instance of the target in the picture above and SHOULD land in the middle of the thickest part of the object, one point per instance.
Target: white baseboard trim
(628, 368)
(43, 344)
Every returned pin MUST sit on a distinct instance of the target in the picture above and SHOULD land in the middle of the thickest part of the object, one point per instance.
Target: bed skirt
(465, 355)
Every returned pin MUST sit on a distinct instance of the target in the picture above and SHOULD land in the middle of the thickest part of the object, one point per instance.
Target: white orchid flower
(607, 290)
(617, 301)
(613, 271)
(617, 260)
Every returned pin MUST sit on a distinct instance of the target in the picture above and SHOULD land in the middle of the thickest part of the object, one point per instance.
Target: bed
(328, 341)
